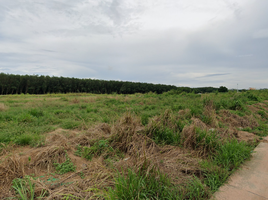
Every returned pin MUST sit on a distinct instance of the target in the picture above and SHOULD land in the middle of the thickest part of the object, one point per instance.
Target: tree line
(35, 84)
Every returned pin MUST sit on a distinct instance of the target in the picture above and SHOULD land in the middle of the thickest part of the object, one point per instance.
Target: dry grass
(12, 167)
(233, 120)
(45, 158)
(75, 101)
(210, 113)
(3, 107)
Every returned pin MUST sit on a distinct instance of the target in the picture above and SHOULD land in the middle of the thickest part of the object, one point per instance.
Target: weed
(78, 151)
(65, 167)
(100, 147)
(24, 188)
(82, 175)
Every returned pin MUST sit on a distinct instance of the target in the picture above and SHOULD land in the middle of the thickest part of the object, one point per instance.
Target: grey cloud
(87, 44)
(210, 75)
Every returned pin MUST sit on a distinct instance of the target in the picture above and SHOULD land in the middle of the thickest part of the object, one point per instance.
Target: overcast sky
(179, 42)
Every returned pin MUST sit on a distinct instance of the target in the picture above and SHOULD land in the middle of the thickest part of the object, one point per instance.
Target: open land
(140, 146)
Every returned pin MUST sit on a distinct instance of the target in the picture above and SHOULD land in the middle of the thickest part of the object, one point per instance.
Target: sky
(194, 43)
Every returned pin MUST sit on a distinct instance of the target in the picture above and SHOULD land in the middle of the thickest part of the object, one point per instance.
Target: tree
(223, 89)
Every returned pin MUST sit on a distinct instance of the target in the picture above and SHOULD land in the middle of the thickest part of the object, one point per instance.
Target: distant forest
(35, 84)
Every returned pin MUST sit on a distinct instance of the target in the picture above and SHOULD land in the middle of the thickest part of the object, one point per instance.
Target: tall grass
(133, 186)
(231, 154)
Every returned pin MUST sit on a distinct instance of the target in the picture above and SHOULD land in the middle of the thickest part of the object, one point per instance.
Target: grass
(24, 188)
(231, 154)
(133, 185)
(25, 120)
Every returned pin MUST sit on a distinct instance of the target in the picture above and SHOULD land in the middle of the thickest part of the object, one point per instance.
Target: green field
(139, 146)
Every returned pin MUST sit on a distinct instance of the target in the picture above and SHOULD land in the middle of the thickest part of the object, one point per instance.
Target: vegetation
(34, 84)
(67, 166)
(175, 145)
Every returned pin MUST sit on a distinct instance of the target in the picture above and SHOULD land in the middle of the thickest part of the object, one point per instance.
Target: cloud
(210, 75)
(193, 43)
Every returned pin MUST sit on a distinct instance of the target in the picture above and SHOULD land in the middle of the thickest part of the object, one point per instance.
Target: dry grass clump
(143, 154)
(58, 140)
(234, 120)
(252, 121)
(197, 137)
(82, 140)
(188, 135)
(45, 158)
(210, 113)
(104, 127)
(97, 175)
(12, 167)
(186, 113)
(3, 107)
(75, 100)
(227, 133)
(165, 120)
(88, 99)
(96, 178)
(99, 132)
(198, 123)
(124, 132)
(5, 149)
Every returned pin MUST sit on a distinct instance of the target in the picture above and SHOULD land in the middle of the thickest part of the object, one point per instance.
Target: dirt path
(251, 181)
